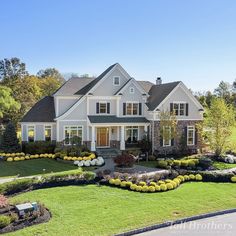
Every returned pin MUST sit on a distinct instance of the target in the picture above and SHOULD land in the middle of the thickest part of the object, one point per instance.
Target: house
(113, 110)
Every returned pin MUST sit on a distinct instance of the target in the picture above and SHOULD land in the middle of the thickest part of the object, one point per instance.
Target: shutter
(196, 136)
(161, 141)
(124, 108)
(140, 108)
(186, 109)
(97, 107)
(186, 135)
(171, 107)
(172, 140)
(108, 108)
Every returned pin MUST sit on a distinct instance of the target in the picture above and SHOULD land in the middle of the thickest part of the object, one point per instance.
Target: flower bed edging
(180, 221)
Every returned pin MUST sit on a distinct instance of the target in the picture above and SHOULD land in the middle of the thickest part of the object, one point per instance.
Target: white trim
(191, 127)
(36, 123)
(132, 128)
(169, 144)
(118, 124)
(131, 90)
(68, 97)
(27, 131)
(82, 138)
(176, 119)
(114, 80)
(73, 120)
(44, 131)
(102, 97)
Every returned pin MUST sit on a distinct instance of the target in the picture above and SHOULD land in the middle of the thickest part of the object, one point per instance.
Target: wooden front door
(103, 137)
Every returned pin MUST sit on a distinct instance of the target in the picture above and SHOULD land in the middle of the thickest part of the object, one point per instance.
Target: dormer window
(131, 90)
(116, 80)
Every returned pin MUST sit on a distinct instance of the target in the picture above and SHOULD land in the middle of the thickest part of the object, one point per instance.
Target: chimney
(158, 81)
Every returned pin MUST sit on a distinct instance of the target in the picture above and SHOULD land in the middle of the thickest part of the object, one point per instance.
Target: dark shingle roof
(158, 93)
(86, 88)
(42, 111)
(115, 119)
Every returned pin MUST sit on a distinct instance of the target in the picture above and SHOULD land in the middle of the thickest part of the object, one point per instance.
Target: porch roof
(115, 119)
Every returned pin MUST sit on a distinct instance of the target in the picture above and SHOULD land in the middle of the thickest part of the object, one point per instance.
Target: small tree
(219, 121)
(10, 143)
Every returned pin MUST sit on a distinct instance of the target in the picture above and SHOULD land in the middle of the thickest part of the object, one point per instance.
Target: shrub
(233, 179)
(142, 183)
(38, 147)
(9, 159)
(151, 189)
(198, 177)
(157, 188)
(152, 184)
(117, 182)
(89, 175)
(162, 164)
(205, 162)
(4, 221)
(133, 186)
(174, 184)
(128, 184)
(192, 177)
(186, 177)
(124, 160)
(177, 163)
(3, 201)
(139, 188)
(123, 184)
(111, 181)
(191, 163)
(184, 163)
(181, 178)
(161, 182)
(163, 187)
(169, 186)
(145, 188)
(177, 181)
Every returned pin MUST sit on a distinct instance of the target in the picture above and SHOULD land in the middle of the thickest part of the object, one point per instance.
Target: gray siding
(93, 102)
(65, 104)
(79, 113)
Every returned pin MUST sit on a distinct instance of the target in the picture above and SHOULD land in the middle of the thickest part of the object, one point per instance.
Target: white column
(122, 138)
(145, 128)
(93, 148)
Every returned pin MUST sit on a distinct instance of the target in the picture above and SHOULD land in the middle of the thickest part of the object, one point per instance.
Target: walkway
(214, 226)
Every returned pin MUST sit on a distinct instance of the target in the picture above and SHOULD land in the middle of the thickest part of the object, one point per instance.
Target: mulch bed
(44, 216)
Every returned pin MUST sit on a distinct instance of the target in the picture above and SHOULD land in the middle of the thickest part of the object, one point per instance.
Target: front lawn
(93, 210)
(32, 167)
(221, 165)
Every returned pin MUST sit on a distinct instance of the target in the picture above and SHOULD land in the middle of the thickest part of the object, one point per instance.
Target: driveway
(214, 226)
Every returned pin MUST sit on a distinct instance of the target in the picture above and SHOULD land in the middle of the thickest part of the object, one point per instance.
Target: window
(166, 136)
(132, 108)
(190, 135)
(47, 132)
(103, 108)
(180, 109)
(31, 133)
(131, 133)
(72, 131)
(131, 90)
(116, 80)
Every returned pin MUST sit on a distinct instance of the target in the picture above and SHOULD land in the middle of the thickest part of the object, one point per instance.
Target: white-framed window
(131, 134)
(48, 133)
(72, 131)
(31, 133)
(103, 108)
(131, 90)
(116, 80)
(132, 108)
(190, 135)
(166, 136)
(179, 108)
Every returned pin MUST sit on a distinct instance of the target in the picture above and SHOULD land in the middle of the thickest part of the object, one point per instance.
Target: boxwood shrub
(4, 221)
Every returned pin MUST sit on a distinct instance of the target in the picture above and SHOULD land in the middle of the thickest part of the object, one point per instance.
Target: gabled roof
(86, 88)
(158, 93)
(115, 119)
(72, 85)
(146, 85)
(123, 86)
(42, 111)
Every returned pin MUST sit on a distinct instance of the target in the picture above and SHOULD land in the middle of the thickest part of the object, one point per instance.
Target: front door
(103, 137)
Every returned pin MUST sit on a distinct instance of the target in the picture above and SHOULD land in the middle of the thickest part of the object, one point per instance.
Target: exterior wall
(64, 104)
(39, 131)
(107, 88)
(180, 96)
(181, 132)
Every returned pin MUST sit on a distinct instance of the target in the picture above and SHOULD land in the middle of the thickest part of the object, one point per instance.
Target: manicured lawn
(222, 165)
(93, 210)
(32, 167)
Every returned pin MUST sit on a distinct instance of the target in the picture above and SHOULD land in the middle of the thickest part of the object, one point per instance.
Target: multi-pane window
(179, 109)
(103, 108)
(190, 135)
(132, 108)
(48, 132)
(72, 131)
(116, 80)
(166, 136)
(131, 90)
(131, 133)
(31, 133)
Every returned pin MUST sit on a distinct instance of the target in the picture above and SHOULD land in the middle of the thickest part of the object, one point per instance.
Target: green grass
(221, 165)
(93, 210)
(32, 167)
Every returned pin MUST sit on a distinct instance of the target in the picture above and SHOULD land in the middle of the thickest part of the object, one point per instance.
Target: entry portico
(119, 132)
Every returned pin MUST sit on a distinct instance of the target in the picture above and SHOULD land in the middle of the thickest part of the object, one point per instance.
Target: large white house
(113, 110)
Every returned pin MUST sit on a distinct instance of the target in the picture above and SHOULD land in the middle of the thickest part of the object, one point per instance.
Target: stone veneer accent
(181, 130)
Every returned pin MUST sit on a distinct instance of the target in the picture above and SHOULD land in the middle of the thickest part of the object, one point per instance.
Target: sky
(189, 40)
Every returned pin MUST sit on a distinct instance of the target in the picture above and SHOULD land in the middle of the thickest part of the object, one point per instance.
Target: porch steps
(108, 152)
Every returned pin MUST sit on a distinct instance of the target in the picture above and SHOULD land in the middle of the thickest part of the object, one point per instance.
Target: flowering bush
(94, 162)
(124, 160)
(3, 201)
(233, 179)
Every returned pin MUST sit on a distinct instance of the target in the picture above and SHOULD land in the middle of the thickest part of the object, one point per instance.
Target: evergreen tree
(10, 142)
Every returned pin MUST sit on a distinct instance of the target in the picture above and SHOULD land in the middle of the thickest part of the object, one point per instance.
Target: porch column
(93, 148)
(145, 128)
(122, 138)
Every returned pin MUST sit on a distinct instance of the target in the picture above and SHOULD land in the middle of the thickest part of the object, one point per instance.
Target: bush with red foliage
(124, 160)
(3, 201)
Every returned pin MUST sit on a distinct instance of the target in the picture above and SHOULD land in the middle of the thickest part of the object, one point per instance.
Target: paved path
(224, 225)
